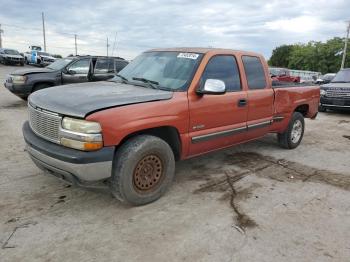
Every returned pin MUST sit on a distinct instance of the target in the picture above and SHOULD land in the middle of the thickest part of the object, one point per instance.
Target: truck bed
(289, 97)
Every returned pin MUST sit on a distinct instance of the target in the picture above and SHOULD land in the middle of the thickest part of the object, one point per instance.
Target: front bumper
(330, 102)
(21, 90)
(73, 166)
(14, 61)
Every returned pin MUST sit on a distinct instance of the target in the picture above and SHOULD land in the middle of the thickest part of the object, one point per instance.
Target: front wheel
(292, 137)
(143, 169)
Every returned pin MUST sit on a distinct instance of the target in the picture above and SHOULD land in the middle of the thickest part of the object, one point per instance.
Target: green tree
(322, 57)
(280, 56)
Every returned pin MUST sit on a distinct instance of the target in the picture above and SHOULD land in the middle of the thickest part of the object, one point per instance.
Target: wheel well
(168, 133)
(42, 83)
(303, 109)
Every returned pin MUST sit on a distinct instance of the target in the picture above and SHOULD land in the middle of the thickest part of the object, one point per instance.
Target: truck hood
(31, 71)
(336, 86)
(79, 100)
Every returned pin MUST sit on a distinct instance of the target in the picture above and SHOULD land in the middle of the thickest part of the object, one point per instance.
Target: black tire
(148, 154)
(287, 139)
(38, 87)
(22, 63)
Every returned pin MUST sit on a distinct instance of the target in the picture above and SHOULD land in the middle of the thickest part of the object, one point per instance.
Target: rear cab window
(254, 72)
(224, 68)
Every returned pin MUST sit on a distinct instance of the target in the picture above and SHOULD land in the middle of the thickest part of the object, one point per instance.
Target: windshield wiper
(151, 83)
(122, 77)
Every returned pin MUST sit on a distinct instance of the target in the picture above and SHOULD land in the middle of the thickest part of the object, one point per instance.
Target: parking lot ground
(253, 202)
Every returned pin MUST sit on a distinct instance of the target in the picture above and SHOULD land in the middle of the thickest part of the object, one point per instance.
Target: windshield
(59, 64)
(43, 53)
(342, 76)
(166, 70)
(328, 77)
(11, 52)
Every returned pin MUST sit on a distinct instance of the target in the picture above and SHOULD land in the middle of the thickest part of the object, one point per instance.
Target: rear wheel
(292, 137)
(143, 169)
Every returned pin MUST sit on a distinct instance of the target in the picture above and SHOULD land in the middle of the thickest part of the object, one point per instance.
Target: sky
(135, 26)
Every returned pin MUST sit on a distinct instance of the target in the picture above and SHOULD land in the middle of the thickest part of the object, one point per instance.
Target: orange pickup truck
(166, 105)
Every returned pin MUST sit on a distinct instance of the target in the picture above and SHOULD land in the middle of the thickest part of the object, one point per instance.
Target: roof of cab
(201, 50)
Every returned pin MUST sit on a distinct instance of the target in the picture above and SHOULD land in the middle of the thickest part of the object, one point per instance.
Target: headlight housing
(81, 134)
(18, 79)
(81, 126)
(322, 92)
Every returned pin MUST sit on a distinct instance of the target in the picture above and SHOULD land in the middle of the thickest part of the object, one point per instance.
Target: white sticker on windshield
(188, 55)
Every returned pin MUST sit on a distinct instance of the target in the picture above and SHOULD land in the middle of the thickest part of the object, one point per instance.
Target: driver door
(77, 72)
(218, 121)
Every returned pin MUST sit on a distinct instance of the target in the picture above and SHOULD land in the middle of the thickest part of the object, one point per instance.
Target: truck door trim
(259, 125)
(202, 138)
(229, 132)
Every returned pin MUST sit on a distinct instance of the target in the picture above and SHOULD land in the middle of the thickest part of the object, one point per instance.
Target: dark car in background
(325, 79)
(11, 57)
(76, 69)
(336, 94)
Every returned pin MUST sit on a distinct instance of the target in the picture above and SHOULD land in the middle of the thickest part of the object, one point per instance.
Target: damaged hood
(81, 99)
(23, 72)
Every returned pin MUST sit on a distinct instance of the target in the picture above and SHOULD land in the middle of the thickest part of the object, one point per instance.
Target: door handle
(242, 102)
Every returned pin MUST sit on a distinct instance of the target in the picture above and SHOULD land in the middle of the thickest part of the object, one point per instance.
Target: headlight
(322, 92)
(18, 79)
(81, 134)
(81, 126)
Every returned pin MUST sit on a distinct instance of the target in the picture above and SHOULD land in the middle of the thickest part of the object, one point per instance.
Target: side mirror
(212, 87)
(71, 72)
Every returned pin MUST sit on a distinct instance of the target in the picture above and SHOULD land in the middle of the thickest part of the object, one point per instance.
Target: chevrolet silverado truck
(336, 94)
(166, 105)
(69, 70)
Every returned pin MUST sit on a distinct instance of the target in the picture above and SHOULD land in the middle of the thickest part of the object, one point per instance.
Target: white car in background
(38, 58)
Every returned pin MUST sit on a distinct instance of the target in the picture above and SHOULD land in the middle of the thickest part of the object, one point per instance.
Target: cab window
(223, 67)
(254, 72)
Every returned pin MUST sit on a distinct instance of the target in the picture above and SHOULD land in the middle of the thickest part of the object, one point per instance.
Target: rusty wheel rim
(148, 174)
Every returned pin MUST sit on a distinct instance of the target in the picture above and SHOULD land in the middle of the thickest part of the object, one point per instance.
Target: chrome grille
(45, 124)
(337, 93)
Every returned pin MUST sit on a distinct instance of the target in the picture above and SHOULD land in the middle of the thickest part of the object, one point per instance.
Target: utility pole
(42, 16)
(1, 32)
(345, 46)
(75, 42)
(107, 46)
